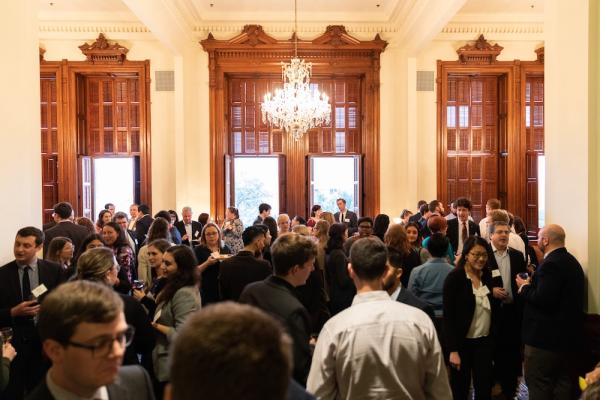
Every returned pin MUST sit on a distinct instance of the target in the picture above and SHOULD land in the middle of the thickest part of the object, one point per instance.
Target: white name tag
(40, 290)
(347, 220)
(495, 273)
(197, 234)
(157, 316)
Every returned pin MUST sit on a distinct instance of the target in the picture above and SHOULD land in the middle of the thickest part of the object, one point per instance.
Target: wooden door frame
(69, 145)
(333, 53)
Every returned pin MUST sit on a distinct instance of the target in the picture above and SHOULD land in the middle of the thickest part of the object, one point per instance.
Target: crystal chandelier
(296, 108)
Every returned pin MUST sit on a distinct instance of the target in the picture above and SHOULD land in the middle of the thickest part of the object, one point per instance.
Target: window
(256, 180)
(333, 178)
(113, 183)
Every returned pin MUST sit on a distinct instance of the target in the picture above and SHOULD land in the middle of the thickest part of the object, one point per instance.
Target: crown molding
(505, 31)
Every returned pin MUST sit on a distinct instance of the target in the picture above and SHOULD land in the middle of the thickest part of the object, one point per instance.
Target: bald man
(552, 318)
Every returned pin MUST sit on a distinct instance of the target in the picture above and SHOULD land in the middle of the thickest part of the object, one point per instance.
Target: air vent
(165, 81)
(424, 81)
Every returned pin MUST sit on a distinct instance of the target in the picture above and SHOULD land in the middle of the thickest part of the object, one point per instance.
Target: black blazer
(352, 224)
(453, 232)
(142, 226)
(145, 334)
(276, 296)
(76, 233)
(238, 271)
(132, 383)
(459, 306)
(410, 299)
(196, 230)
(209, 280)
(517, 265)
(50, 274)
(553, 314)
(341, 286)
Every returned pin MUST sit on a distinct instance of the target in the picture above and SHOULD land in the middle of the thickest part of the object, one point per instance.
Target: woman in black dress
(209, 253)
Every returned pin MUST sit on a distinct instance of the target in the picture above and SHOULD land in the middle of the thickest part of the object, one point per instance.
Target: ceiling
(196, 12)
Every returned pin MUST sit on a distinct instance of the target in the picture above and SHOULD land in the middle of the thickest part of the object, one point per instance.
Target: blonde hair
(93, 264)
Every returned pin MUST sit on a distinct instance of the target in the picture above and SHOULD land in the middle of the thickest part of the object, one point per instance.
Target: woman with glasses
(99, 265)
(469, 321)
(209, 253)
(175, 303)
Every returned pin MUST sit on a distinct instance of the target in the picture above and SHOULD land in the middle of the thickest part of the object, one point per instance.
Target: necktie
(464, 234)
(341, 217)
(26, 284)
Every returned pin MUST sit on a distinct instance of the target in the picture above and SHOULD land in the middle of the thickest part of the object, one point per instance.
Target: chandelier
(296, 108)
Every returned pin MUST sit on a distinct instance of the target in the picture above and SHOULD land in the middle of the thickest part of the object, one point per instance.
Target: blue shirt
(427, 282)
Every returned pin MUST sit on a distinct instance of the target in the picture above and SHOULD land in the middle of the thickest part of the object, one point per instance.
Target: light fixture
(296, 108)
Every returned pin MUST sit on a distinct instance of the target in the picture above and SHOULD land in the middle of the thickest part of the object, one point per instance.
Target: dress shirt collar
(373, 295)
(33, 264)
(63, 394)
(394, 296)
(497, 251)
(436, 260)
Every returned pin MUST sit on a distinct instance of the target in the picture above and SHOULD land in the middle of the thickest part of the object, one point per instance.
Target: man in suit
(23, 284)
(244, 268)
(244, 341)
(393, 285)
(362, 352)
(293, 259)
(460, 228)
(416, 217)
(190, 230)
(121, 219)
(264, 210)
(84, 334)
(133, 211)
(345, 216)
(505, 264)
(143, 223)
(552, 318)
(65, 227)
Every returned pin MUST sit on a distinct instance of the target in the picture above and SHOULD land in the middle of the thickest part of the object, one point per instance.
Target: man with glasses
(365, 229)
(84, 334)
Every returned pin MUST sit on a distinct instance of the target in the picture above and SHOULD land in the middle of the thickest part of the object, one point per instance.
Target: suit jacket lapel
(117, 391)
(15, 284)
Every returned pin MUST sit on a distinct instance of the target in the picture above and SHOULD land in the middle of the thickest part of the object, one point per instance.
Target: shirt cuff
(522, 286)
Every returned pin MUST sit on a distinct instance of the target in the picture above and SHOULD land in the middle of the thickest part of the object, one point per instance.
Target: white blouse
(482, 317)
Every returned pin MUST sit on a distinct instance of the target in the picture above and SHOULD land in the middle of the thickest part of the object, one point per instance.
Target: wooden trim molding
(484, 63)
(481, 52)
(101, 51)
(540, 54)
(333, 54)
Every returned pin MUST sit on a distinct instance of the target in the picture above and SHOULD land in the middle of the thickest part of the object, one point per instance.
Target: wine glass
(6, 334)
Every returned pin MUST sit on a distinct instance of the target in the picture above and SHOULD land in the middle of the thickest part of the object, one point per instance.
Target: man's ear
(351, 271)
(53, 350)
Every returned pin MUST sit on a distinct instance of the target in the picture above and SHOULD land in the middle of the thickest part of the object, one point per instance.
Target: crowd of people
(332, 306)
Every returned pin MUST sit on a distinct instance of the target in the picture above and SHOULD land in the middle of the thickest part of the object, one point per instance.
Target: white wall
(20, 180)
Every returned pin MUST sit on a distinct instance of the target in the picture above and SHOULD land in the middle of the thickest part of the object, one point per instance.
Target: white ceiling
(198, 11)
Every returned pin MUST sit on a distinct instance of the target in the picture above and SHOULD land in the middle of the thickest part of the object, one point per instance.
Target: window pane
(463, 118)
(541, 170)
(333, 178)
(256, 181)
(527, 116)
(340, 142)
(113, 183)
(451, 117)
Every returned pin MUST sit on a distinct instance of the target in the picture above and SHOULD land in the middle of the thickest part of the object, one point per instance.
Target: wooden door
(534, 131)
(471, 125)
(49, 132)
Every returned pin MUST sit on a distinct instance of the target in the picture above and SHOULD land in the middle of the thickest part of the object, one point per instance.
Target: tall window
(534, 130)
(254, 144)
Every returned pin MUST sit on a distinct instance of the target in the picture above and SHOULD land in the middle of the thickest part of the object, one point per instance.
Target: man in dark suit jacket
(243, 268)
(246, 342)
(143, 224)
(460, 228)
(293, 257)
(189, 229)
(505, 263)
(79, 324)
(393, 285)
(65, 227)
(345, 216)
(552, 318)
(416, 217)
(23, 284)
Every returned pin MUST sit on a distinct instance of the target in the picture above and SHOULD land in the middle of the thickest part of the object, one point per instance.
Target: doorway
(332, 178)
(255, 181)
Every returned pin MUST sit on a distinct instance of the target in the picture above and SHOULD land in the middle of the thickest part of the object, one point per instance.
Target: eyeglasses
(481, 256)
(104, 346)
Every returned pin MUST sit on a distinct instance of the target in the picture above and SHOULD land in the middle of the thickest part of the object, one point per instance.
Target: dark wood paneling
(335, 56)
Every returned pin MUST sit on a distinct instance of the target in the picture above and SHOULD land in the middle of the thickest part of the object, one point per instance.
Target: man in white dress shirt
(378, 348)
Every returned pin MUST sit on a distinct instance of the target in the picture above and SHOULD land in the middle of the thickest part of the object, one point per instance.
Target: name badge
(40, 290)
(197, 234)
(495, 273)
(157, 315)
(347, 220)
